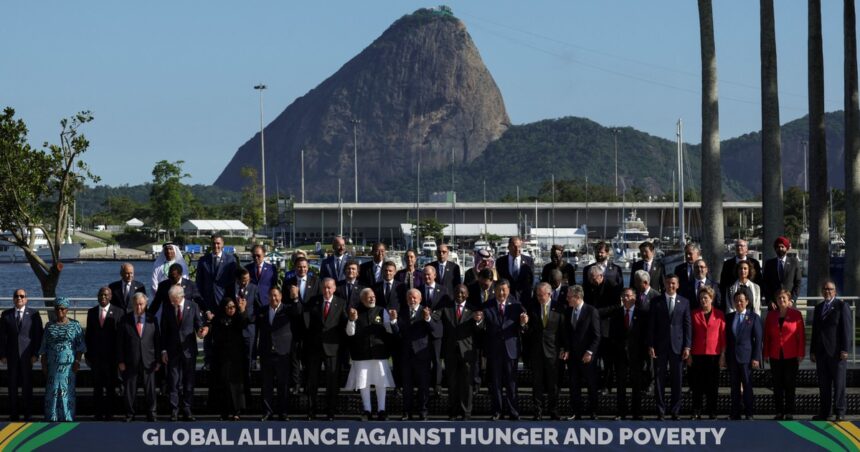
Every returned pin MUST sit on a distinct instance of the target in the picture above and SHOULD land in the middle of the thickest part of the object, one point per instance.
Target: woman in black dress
(227, 329)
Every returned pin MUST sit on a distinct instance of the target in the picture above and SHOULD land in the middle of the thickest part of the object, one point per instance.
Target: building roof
(134, 222)
(214, 225)
(471, 229)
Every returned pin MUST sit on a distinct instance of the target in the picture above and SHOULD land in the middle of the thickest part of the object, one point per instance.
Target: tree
(430, 227)
(39, 188)
(251, 200)
(819, 234)
(712, 181)
(852, 153)
(169, 197)
(771, 145)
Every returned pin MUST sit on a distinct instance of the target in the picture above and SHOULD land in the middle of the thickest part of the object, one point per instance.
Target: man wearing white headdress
(170, 254)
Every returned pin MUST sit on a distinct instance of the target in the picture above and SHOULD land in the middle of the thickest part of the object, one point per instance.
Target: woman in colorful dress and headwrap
(62, 347)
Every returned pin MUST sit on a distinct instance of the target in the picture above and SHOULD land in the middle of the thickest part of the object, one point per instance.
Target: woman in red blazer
(709, 344)
(784, 342)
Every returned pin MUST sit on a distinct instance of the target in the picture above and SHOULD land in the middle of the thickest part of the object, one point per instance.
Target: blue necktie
(738, 323)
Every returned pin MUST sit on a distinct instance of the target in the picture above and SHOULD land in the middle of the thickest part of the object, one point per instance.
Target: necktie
(698, 288)
(428, 295)
(259, 272)
(780, 269)
(671, 305)
(302, 285)
(377, 272)
(459, 312)
(486, 295)
(575, 317)
(412, 313)
(102, 313)
(627, 318)
(545, 314)
(139, 326)
(20, 317)
(337, 268)
(349, 291)
(441, 271)
(125, 290)
(738, 323)
(555, 295)
(217, 260)
(387, 289)
(502, 309)
(826, 309)
(179, 314)
(689, 271)
(515, 268)
(325, 309)
(647, 266)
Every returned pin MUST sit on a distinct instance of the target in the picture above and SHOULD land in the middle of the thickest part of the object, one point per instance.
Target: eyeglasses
(20, 296)
(828, 289)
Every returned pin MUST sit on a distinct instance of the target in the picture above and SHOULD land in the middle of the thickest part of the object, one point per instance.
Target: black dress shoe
(789, 417)
(495, 417)
(554, 416)
(575, 417)
(150, 418)
(365, 415)
(661, 417)
(675, 417)
(422, 417)
(840, 417)
(637, 418)
(382, 416)
(174, 418)
(538, 417)
(467, 417)
(188, 418)
(266, 417)
(283, 417)
(819, 417)
(514, 417)
(330, 418)
(405, 417)
(13, 418)
(128, 419)
(748, 418)
(619, 418)
(778, 417)
(309, 417)
(593, 417)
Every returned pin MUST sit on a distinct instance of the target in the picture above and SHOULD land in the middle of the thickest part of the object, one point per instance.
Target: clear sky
(173, 79)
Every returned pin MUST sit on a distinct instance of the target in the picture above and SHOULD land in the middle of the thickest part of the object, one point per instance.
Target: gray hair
(555, 273)
(642, 276)
(594, 271)
(364, 293)
(576, 291)
(139, 295)
(414, 291)
(545, 287)
(176, 292)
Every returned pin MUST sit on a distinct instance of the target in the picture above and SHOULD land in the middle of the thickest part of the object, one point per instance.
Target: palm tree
(712, 188)
(819, 234)
(771, 145)
(852, 153)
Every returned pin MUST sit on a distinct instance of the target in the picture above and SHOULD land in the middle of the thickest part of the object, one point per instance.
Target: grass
(87, 242)
(104, 235)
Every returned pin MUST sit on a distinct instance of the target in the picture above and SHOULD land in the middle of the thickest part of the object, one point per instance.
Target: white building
(230, 228)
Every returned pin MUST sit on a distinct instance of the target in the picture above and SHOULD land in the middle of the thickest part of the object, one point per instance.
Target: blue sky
(173, 79)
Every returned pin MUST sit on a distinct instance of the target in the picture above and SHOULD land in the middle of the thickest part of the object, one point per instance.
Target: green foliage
(168, 196)
(252, 199)
(430, 227)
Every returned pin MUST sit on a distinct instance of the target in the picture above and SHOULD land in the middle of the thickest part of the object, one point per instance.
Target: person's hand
(203, 332)
(294, 292)
(157, 366)
(164, 358)
(76, 366)
(651, 353)
(243, 303)
(685, 354)
(812, 357)
(353, 315)
(524, 318)
(392, 314)
(2, 360)
(427, 313)
(479, 316)
(586, 358)
(843, 356)
(563, 356)
(34, 359)
(722, 361)
(756, 364)
(689, 361)
(121, 367)
(209, 315)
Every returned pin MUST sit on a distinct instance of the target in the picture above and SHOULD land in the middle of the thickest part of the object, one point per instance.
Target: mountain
(420, 89)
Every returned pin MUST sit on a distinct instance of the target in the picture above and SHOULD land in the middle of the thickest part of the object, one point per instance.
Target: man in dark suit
(216, 273)
(629, 327)
(263, 274)
(389, 291)
(323, 338)
(685, 270)
(434, 296)
(545, 340)
(20, 339)
(181, 326)
(519, 270)
(701, 279)
(348, 286)
(649, 264)
(274, 334)
(334, 265)
(558, 290)
(246, 290)
(730, 275)
(370, 273)
(831, 340)
(781, 272)
(460, 329)
(138, 342)
(301, 288)
(124, 289)
(645, 294)
(174, 279)
(481, 291)
(447, 273)
(669, 342)
(413, 329)
(101, 338)
(581, 342)
(556, 262)
(612, 274)
(743, 352)
(604, 296)
(505, 320)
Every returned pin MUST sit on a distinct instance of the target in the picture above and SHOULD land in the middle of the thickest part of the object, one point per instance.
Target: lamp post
(260, 87)
(354, 122)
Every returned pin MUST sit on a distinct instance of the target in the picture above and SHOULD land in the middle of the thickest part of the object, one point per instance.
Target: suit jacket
(670, 331)
(24, 343)
(439, 296)
(629, 343)
(414, 335)
(831, 333)
(276, 337)
(312, 290)
(353, 298)
(101, 339)
(132, 349)
(729, 275)
(745, 346)
(161, 298)
(709, 336)
(367, 274)
(612, 277)
(503, 331)
(568, 273)
(790, 281)
(643, 301)
(268, 278)
(396, 296)
(325, 334)
(213, 283)
(252, 295)
(685, 273)
(545, 341)
(116, 294)
(605, 297)
(584, 334)
(791, 337)
(459, 336)
(451, 278)
(476, 298)
(330, 269)
(521, 287)
(403, 276)
(656, 272)
(689, 292)
(179, 339)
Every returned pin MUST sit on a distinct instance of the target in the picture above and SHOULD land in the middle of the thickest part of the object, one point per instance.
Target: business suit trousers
(104, 388)
(503, 379)
(275, 371)
(459, 372)
(130, 378)
(545, 372)
(181, 373)
(582, 375)
(297, 364)
(740, 375)
(20, 375)
(784, 372)
(415, 372)
(436, 362)
(331, 374)
(629, 374)
(675, 378)
(705, 382)
(831, 384)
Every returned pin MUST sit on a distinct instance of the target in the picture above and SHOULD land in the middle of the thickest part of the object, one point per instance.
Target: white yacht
(632, 233)
(11, 253)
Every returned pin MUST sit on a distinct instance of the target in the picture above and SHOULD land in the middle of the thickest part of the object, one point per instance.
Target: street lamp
(260, 88)
(355, 122)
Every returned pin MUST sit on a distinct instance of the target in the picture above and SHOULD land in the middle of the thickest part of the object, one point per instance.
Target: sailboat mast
(682, 239)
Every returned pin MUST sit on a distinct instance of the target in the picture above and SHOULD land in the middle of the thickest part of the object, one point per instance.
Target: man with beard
(781, 272)
(333, 266)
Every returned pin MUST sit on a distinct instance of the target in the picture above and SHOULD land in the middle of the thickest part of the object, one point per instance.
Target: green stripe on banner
(812, 436)
(834, 432)
(47, 436)
(28, 432)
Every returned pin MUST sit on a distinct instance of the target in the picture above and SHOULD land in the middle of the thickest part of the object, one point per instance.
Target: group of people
(418, 329)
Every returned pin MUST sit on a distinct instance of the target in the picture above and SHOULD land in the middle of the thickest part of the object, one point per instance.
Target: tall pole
(682, 239)
(485, 208)
(355, 122)
(553, 207)
(418, 205)
(453, 202)
(303, 176)
(260, 87)
(615, 138)
(339, 210)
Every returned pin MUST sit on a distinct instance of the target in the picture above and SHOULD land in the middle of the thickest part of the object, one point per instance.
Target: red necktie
(325, 309)
(502, 309)
(179, 314)
(259, 272)
(627, 318)
(459, 312)
(139, 326)
(101, 317)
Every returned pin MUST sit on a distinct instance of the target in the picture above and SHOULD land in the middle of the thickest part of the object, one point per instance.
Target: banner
(426, 436)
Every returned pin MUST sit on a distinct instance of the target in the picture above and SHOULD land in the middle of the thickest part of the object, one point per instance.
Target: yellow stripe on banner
(851, 432)
(11, 431)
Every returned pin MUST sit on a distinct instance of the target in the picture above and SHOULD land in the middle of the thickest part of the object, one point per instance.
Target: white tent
(134, 223)
(233, 228)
